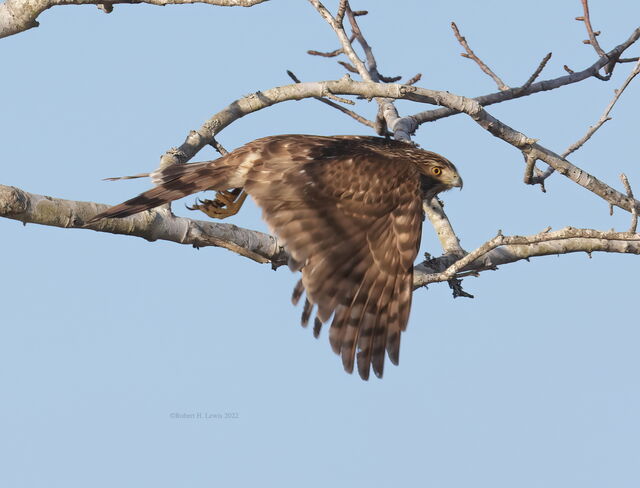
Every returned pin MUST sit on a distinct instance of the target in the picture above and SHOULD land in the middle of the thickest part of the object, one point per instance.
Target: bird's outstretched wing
(351, 217)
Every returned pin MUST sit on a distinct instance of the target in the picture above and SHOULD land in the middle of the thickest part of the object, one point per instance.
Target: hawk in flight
(349, 212)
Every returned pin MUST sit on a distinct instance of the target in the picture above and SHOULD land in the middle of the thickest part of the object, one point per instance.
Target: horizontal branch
(161, 224)
(153, 225)
(508, 249)
(20, 15)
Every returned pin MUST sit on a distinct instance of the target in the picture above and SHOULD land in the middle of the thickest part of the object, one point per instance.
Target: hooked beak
(456, 181)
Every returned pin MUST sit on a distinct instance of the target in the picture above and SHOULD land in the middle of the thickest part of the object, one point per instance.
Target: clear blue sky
(534, 383)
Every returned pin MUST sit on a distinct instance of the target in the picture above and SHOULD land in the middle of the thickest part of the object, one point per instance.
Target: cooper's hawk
(349, 212)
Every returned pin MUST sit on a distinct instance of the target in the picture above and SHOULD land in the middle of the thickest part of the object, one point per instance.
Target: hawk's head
(437, 174)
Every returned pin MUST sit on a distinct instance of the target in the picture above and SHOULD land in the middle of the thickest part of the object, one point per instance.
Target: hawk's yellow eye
(436, 171)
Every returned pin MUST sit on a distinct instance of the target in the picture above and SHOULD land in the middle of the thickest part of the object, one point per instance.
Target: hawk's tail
(174, 182)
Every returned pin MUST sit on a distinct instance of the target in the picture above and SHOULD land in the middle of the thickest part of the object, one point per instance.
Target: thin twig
(605, 116)
(471, 55)
(339, 99)
(330, 54)
(587, 23)
(586, 18)
(372, 65)
(537, 72)
(218, 147)
(414, 79)
(389, 79)
(342, 8)
(348, 67)
(634, 210)
(342, 109)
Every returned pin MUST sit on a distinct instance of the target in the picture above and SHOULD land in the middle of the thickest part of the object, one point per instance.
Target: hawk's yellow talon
(225, 204)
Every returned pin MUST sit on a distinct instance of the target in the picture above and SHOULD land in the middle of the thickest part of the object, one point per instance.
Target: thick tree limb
(153, 225)
(20, 15)
(444, 230)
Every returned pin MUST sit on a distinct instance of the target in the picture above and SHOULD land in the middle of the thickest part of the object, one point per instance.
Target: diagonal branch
(539, 179)
(537, 72)
(544, 85)
(350, 113)
(469, 54)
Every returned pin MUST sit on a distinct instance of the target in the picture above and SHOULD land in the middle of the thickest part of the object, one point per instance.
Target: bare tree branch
(368, 72)
(159, 224)
(444, 230)
(537, 72)
(634, 211)
(347, 48)
(154, 225)
(592, 130)
(508, 249)
(342, 109)
(605, 115)
(20, 15)
(545, 85)
(587, 23)
(469, 54)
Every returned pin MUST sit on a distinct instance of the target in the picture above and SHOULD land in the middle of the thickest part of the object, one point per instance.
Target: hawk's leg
(225, 204)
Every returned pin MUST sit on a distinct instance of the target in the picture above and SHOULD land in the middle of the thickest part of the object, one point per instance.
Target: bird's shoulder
(361, 168)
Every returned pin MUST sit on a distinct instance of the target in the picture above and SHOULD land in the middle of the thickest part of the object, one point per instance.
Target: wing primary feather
(306, 313)
(297, 292)
(317, 327)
